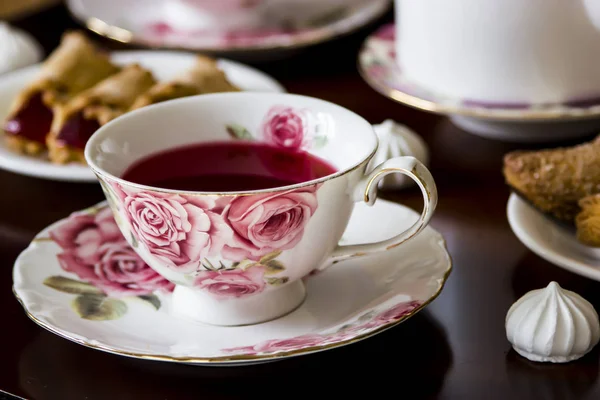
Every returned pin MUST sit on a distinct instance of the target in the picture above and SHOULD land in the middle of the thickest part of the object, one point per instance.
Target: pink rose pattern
(396, 313)
(232, 282)
(95, 250)
(184, 232)
(285, 127)
(179, 231)
(267, 222)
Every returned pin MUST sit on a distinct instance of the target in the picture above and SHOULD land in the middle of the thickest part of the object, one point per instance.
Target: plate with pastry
(49, 110)
(554, 209)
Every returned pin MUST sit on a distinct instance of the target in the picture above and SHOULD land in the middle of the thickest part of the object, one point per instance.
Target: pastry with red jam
(76, 65)
(76, 120)
(203, 77)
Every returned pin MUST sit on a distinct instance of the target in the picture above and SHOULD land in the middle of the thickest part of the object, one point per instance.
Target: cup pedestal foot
(202, 306)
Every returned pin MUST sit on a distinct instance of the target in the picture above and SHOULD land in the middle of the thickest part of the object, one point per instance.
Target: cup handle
(367, 192)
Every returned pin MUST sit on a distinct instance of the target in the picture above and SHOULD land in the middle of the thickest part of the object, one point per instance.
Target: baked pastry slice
(204, 76)
(76, 120)
(74, 66)
(554, 181)
(588, 221)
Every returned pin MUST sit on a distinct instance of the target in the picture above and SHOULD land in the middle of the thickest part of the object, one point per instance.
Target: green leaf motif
(111, 197)
(238, 132)
(134, 242)
(208, 265)
(152, 299)
(271, 256)
(118, 220)
(97, 307)
(274, 267)
(277, 281)
(72, 286)
(245, 264)
(320, 141)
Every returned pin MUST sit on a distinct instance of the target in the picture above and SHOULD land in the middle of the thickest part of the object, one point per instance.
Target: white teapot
(501, 51)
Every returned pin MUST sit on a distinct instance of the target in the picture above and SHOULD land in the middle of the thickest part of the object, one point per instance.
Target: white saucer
(346, 302)
(285, 25)
(164, 64)
(510, 122)
(552, 241)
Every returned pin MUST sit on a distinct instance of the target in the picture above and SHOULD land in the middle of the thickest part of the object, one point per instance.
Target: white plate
(551, 241)
(346, 302)
(163, 64)
(286, 24)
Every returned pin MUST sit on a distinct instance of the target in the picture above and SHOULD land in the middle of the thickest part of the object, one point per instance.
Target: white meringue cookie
(397, 140)
(552, 325)
(18, 49)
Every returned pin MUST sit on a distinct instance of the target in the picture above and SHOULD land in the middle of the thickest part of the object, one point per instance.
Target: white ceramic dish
(285, 25)
(164, 64)
(347, 302)
(378, 66)
(551, 241)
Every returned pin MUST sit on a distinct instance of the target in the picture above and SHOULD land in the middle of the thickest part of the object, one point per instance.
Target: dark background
(455, 349)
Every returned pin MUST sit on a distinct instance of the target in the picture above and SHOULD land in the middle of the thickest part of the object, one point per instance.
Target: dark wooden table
(455, 349)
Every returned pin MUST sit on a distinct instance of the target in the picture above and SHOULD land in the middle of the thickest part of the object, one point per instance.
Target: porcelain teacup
(228, 267)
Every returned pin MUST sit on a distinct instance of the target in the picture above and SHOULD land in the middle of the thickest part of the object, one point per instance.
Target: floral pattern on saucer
(290, 128)
(364, 324)
(93, 249)
(379, 67)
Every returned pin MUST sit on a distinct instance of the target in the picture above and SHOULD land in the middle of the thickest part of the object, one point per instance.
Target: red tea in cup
(227, 167)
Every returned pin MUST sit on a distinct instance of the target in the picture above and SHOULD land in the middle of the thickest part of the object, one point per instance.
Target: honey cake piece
(554, 180)
(587, 221)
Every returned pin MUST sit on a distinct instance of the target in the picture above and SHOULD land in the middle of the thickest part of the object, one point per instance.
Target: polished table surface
(454, 349)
